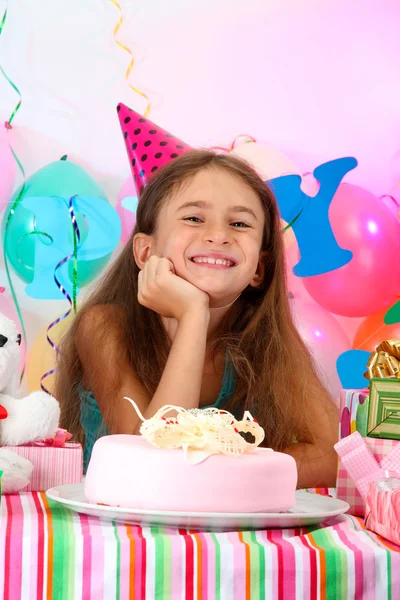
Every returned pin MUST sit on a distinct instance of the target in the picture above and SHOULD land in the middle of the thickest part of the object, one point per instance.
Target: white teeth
(213, 261)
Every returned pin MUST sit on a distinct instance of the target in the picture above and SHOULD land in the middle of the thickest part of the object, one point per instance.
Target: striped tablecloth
(47, 552)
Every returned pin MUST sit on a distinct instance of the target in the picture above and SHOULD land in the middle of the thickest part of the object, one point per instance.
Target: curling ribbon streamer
(132, 60)
(72, 301)
(231, 146)
(17, 200)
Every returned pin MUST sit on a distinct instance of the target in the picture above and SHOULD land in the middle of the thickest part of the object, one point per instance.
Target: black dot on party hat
(141, 173)
(134, 146)
(154, 169)
(163, 143)
(127, 119)
(144, 157)
(153, 131)
(180, 147)
(147, 143)
(137, 131)
(133, 162)
(174, 155)
(168, 135)
(142, 120)
(125, 134)
(118, 108)
(158, 155)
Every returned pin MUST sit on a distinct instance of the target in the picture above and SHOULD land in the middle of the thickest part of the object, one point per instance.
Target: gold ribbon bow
(385, 361)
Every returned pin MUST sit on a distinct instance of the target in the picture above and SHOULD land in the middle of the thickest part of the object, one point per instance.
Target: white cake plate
(310, 509)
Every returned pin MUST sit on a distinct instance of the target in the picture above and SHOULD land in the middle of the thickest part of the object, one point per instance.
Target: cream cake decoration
(200, 432)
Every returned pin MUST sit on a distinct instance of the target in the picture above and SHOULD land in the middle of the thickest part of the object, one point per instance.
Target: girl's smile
(214, 260)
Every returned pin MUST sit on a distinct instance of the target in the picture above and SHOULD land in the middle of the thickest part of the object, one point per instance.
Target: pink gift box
(52, 466)
(345, 487)
(382, 513)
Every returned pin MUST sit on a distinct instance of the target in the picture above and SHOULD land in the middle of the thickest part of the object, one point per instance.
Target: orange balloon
(372, 331)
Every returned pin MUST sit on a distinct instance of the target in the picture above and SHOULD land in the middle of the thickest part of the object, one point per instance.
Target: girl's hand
(167, 294)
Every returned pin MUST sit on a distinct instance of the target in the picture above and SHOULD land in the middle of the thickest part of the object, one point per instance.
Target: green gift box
(384, 409)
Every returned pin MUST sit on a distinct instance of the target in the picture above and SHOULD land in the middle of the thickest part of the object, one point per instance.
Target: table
(48, 552)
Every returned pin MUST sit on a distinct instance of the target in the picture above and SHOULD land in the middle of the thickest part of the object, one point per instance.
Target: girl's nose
(217, 235)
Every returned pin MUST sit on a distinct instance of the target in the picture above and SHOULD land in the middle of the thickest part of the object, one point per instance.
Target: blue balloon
(40, 230)
(319, 250)
(351, 366)
(98, 238)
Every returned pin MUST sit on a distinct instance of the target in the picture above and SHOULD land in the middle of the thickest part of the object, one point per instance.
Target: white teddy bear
(28, 419)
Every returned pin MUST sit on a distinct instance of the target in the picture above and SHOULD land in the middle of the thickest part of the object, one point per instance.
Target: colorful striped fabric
(48, 552)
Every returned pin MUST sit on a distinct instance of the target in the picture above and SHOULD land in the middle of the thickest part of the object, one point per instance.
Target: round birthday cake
(195, 461)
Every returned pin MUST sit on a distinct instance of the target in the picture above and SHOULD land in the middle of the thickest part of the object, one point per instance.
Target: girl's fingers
(151, 269)
(165, 266)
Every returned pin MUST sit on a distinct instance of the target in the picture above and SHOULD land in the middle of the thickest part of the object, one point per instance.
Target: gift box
(345, 486)
(354, 406)
(384, 409)
(52, 465)
(382, 513)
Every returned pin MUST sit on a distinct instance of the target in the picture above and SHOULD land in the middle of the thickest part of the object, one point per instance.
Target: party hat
(149, 146)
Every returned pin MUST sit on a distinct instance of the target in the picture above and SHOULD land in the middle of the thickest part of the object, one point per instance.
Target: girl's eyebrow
(205, 205)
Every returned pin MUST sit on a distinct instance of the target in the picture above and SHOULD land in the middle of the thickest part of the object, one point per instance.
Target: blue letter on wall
(319, 250)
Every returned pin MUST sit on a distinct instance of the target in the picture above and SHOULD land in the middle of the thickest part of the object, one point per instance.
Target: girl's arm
(317, 462)
(316, 466)
(180, 382)
(107, 370)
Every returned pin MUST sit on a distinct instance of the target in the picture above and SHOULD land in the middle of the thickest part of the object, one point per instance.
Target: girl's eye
(240, 224)
(193, 219)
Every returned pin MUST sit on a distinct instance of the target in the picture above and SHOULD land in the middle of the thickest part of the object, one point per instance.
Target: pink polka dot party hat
(149, 147)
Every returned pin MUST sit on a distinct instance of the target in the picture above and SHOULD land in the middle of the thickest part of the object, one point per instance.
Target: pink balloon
(127, 196)
(371, 280)
(8, 170)
(324, 337)
(8, 309)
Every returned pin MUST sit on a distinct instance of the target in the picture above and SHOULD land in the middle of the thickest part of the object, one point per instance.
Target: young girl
(195, 312)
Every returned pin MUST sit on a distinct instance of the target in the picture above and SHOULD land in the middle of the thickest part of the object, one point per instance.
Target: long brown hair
(276, 378)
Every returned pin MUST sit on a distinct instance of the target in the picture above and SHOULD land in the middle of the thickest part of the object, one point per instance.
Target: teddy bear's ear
(19, 339)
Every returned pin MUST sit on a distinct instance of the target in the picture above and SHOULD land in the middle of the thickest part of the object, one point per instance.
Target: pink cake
(128, 471)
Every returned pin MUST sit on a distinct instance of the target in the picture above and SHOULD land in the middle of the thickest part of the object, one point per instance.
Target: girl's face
(212, 230)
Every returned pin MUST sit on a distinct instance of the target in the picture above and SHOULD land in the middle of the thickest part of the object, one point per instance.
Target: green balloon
(62, 178)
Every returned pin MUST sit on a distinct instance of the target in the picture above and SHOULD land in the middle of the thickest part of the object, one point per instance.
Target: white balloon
(269, 163)
(325, 339)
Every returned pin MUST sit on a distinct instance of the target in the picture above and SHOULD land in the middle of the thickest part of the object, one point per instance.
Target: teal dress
(94, 426)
